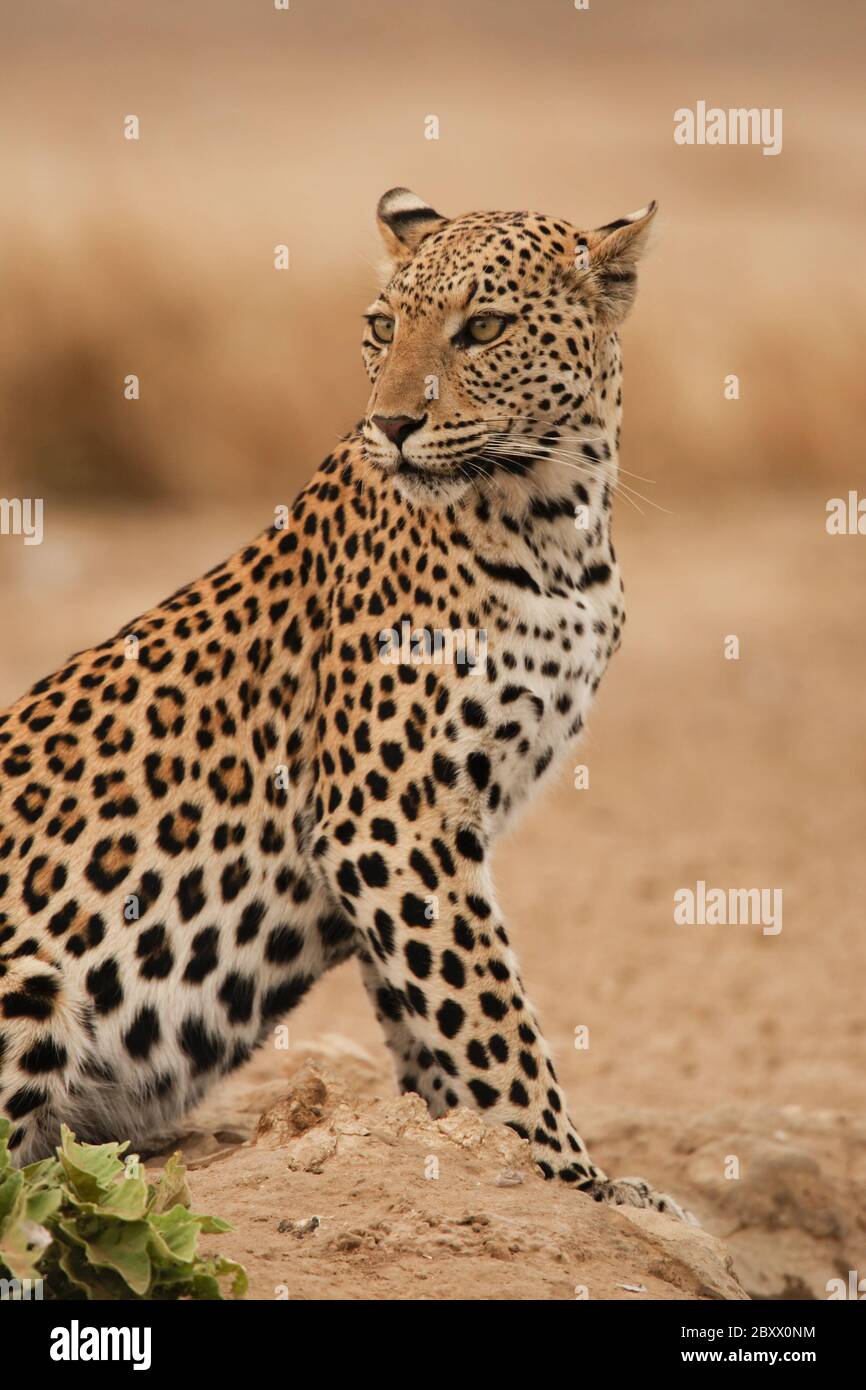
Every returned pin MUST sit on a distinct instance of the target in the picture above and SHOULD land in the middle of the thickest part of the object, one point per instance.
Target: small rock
(310, 1153)
(299, 1228)
(300, 1110)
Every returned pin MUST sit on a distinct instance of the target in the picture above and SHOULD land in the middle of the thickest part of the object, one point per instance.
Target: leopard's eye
(484, 328)
(382, 327)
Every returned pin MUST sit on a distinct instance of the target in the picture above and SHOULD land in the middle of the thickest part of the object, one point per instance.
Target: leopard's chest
(548, 665)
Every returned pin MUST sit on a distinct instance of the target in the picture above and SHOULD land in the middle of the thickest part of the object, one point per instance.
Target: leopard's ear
(610, 254)
(404, 220)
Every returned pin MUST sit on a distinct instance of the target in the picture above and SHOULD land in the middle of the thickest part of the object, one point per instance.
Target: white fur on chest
(557, 665)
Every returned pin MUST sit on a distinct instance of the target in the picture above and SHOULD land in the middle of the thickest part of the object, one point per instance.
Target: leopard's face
(482, 346)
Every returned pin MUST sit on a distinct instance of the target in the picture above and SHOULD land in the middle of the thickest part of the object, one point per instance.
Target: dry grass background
(261, 127)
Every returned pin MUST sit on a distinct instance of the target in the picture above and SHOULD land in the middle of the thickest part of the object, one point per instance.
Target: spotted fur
(202, 815)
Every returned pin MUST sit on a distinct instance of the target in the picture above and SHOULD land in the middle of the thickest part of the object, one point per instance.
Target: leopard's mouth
(403, 469)
(426, 486)
(416, 480)
(407, 469)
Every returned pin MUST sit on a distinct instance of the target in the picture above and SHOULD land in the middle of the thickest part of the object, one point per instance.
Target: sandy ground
(344, 1194)
(706, 1043)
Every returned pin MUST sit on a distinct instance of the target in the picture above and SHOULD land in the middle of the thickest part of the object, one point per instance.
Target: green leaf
(123, 1248)
(240, 1280)
(11, 1199)
(5, 1131)
(214, 1225)
(205, 1286)
(45, 1172)
(94, 1283)
(18, 1256)
(42, 1204)
(22, 1239)
(90, 1169)
(172, 1189)
(175, 1234)
(126, 1200)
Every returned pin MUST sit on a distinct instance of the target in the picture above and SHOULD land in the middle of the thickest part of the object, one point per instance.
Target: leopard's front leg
(414, 1065)
(445, 976)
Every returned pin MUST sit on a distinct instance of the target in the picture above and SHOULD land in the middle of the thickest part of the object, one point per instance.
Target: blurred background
(260, 127)
(155, 257)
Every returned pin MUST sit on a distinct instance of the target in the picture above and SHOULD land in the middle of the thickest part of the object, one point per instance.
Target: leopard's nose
(397, 428)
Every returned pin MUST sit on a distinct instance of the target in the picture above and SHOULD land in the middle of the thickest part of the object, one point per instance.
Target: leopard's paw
(637, 1192)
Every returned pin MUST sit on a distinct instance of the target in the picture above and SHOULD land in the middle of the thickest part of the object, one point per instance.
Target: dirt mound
(337, 1192)
(336, 1197)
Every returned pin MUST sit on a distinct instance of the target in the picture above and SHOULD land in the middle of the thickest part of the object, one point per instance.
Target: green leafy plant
(90, 1226)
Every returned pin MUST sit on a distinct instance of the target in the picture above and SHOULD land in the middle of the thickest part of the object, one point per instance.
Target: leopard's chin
(427, 486)
(424, 491)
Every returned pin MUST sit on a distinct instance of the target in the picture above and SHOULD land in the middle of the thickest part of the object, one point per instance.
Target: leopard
(308, 754)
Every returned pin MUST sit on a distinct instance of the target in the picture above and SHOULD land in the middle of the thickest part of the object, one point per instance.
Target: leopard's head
(492, 348)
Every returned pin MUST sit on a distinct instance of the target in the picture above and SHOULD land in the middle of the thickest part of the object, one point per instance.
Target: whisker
(591, 467)
(563, 436)
(618, 487)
